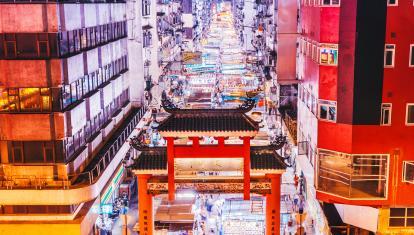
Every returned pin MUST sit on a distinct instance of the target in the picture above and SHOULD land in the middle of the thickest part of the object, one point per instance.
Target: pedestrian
(270, 107)
(301, 206)
(295, 202)
(296, 180)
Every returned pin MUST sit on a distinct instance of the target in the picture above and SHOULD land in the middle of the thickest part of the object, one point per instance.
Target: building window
(146, 7)
(408, 172)
(327, 110)
(389, 55)
(35, 152)
(330, 2)
(401, 217)
(10, 46)
(25, 100)
(147, 39)
(392, 2)
(328, 54)
(412, 55)
(410, 114)
(386, 110)
(352, 176)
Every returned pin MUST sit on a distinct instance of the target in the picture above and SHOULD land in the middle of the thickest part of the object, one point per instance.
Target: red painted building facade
(355, 108)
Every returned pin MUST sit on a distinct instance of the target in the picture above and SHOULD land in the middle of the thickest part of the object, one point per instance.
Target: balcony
(60, 44)
(77, 188)
(76, 91)
(352, 176)
(46, 100)
(77, 142)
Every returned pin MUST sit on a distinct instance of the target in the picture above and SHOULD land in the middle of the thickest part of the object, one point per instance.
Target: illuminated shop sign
(111, 188)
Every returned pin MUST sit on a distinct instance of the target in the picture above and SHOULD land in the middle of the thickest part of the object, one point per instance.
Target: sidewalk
(288, 210)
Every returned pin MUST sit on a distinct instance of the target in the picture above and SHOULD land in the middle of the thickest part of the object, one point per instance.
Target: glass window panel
(397, 212)
(410, 212)
(410, 222)
(36, 209)
(76, 40)
(63, 43)
(385, 116)
(73, 94)
(59, 153)
(66, 97)
(46, 103)
(83, 39)
(33, 152)
(13, 103)
(397, 222)
(410, 114)
(26, 45)
(85, 84)
(91, 37)
(332, 113)
(71, 42)
(4, 100)
(97, 35)
(29, 99)
(17, 152)
(20, 209)
(323, 111)
(11, 49)
(412, 56)
(48, 147)
(334, 172)
(43, 48)
(389, 58)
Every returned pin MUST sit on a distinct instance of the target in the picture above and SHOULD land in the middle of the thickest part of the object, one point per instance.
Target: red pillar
(246, 168)
(170, 168)
(196, 141)
(273, 206)
(146, 217)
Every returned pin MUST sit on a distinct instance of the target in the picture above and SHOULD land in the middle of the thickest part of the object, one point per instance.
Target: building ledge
(332, 198)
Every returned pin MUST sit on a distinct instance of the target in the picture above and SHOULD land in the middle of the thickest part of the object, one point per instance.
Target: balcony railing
(108, 152)
(92, 173)
(46, 100)
(59, 44)
(352, 176)
(89, 83)
(76, 41)
(77, 141)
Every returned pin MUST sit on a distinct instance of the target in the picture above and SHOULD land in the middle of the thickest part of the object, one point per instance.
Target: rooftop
(208, 122)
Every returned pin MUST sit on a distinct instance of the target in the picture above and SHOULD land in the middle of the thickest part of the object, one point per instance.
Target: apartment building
(68, 103)
(355, 110)
(196, 17)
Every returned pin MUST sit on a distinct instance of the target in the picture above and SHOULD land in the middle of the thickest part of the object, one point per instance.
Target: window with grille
(401, 217)
(386, 110)
(389, 55)
(410, 114)
(146, 7)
